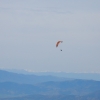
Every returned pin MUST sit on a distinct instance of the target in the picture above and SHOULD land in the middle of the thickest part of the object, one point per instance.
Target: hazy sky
(29, 30)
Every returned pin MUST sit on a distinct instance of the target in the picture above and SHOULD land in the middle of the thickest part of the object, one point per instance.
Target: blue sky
(29, 30)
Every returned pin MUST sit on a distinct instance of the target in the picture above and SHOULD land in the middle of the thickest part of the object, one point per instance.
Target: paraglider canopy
(57, 44)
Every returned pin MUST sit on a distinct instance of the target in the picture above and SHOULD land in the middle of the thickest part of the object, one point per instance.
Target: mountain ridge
(28, 79)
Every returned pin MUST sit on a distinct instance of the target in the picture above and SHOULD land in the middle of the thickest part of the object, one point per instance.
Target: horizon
(68, 75)
(32, 71)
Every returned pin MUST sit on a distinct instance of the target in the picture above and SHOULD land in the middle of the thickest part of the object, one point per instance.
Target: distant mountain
(15, 89)
(93, 96)
(43, 97)
(6, 76)
(72, 87)
(15, 86)
(89, 76)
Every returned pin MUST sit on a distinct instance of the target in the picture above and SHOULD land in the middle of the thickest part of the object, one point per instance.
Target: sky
(29, 30)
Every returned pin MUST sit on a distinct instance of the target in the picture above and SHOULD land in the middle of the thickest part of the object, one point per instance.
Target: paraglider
(57, 44)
